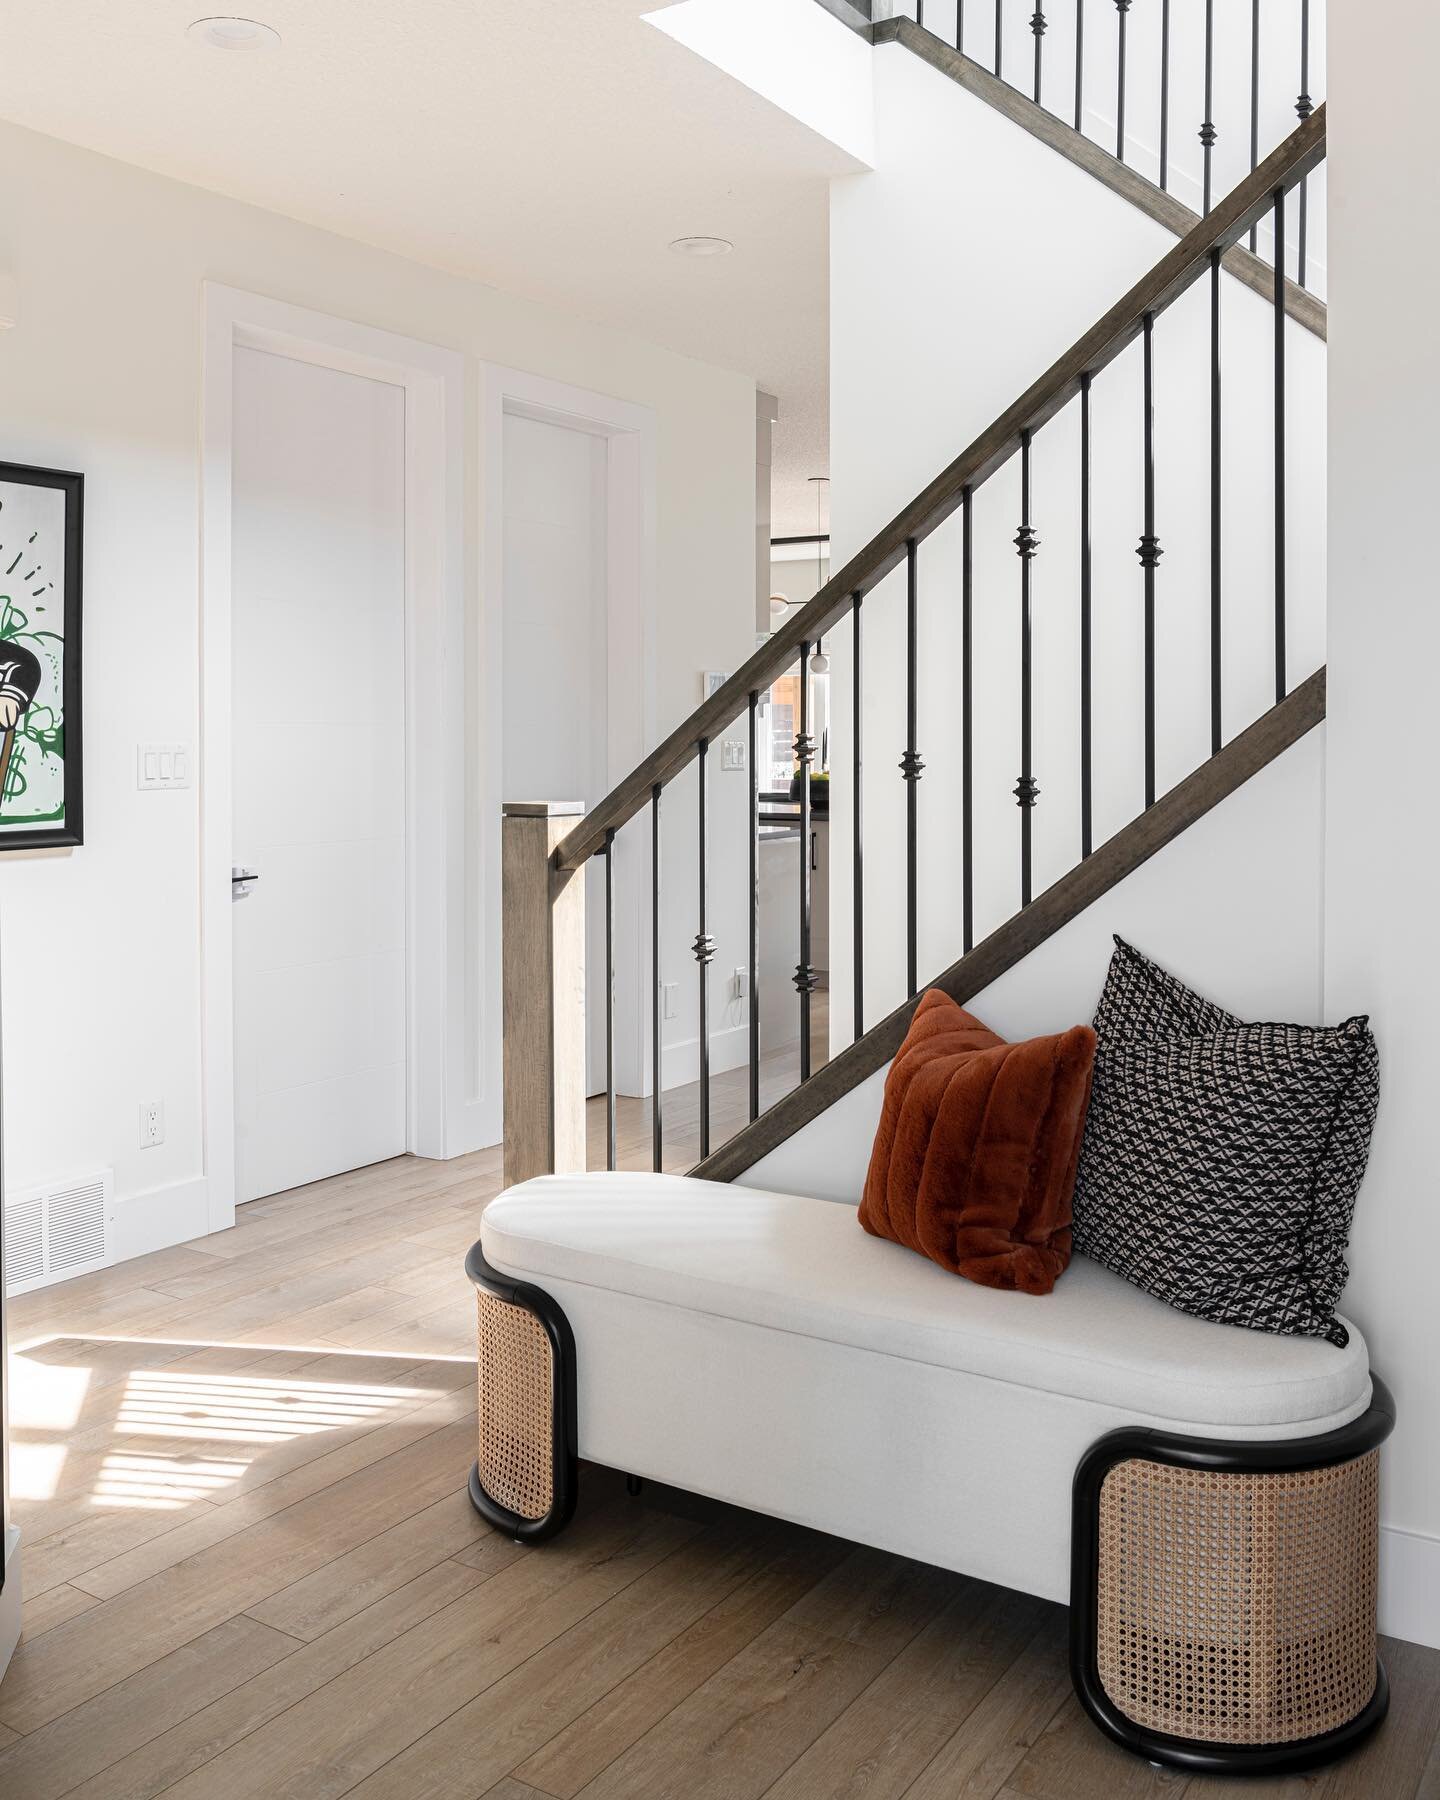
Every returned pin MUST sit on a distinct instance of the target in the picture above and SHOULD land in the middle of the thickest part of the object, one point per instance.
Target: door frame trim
(433, 380)
(629, 431)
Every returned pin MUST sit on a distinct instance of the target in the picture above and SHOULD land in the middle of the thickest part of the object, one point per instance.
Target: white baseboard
(1410, 1585)
(161, 1217)
(729, 1049)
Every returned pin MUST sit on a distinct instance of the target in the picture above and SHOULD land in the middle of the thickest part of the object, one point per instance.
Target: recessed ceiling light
(234, 34)
(702, 246)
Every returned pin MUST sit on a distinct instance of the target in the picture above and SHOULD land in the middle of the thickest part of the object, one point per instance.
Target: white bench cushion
(804, 1266)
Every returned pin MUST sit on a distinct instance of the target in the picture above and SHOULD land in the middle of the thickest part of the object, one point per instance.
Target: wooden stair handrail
(1059, 135)
(1134, 844)
(1243, 207)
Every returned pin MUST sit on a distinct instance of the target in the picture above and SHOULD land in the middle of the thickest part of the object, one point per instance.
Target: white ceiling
(550, 147)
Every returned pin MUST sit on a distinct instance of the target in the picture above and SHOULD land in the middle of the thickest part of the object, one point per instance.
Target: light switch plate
(162, 766)
(732, 754)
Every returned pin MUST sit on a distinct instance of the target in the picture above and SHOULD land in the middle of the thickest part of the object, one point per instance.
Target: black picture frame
(69, 829)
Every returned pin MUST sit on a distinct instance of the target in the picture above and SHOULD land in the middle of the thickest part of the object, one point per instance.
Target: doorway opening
(570, 655)
(333, 880)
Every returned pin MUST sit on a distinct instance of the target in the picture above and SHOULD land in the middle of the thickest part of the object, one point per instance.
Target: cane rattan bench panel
(517, 1408)
(1238, 1608)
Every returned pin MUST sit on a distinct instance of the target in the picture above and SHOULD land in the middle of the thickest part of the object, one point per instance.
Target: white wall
(1279, 87)
(933, 333)
(1232, 906)
(100, 944)
(1384, 653)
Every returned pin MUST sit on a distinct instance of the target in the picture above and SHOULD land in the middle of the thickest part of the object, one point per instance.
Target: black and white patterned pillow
(1221, 1160)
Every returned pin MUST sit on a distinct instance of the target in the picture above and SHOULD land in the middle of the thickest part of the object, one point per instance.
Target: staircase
(546, 849)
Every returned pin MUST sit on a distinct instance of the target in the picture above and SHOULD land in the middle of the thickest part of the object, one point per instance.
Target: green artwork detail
(32, 644)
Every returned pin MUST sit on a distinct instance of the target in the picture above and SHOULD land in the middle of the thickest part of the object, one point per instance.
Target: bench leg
(1223, 1595)
(524, 1480)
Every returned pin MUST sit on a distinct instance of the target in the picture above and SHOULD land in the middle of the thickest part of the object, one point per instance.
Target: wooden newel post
(543, 956)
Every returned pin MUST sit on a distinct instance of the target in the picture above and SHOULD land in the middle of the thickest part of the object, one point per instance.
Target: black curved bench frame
(1217, 1455)
(1224, 1456)
(566, 1480)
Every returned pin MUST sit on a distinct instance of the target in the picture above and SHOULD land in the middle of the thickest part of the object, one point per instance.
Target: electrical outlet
(152, 1123)
(670, 993)
(732, 754)
(737, 983)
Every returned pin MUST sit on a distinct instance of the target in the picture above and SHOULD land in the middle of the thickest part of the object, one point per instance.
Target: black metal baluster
(919, 12)
(999, 36)
(1037, 25)
(1254, 102)
(1165, 93)
(967, 672)
(1026, 790)
(657, 996)
(960, 26)
(1150, 554)
(609, 855)
(1086, 681)
(754, 753)
(1123, 8)
(804, 755)
(1079, 65)
(1304, 106)
(911, 766)
(1279, 308)
(1208, 133)
(704, 948)
(857, 847)
(1216, 722)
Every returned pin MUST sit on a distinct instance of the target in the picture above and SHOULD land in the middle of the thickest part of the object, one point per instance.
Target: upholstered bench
(1204, 1496)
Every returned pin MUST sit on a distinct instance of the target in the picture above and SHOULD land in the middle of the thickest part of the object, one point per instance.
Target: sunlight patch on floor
(46, 1396)
(175, 1437)
(162, 1483)
(35, 1469)
(246, 1409)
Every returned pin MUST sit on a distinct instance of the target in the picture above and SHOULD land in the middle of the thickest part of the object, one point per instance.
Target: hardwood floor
(251, 1568)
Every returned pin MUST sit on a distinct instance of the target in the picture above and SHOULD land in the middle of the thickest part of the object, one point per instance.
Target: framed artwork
(41, 543)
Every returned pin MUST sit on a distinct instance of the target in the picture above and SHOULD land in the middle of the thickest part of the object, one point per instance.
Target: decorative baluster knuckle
(1304, 106)
(804, 749)
(912, 765)
(1026, 542)
(1026, 791)
(805, 978)
(704, 947)
(1209, 136)
(1122, 6)
(1037, 22)
(1149, 551)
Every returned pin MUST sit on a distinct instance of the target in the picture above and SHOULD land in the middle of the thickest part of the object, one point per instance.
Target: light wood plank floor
(251, 1568)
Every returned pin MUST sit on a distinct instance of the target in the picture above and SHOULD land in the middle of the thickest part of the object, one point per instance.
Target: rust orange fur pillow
(974, 1162)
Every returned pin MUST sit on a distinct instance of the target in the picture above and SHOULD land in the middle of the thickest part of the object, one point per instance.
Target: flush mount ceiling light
(702, 246)
(224, 33)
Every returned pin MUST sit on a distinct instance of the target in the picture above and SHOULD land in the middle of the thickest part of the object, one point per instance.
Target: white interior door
(318, 658)
(556, 645)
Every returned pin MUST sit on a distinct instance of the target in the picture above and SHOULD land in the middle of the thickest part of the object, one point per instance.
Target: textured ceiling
(550, 147)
